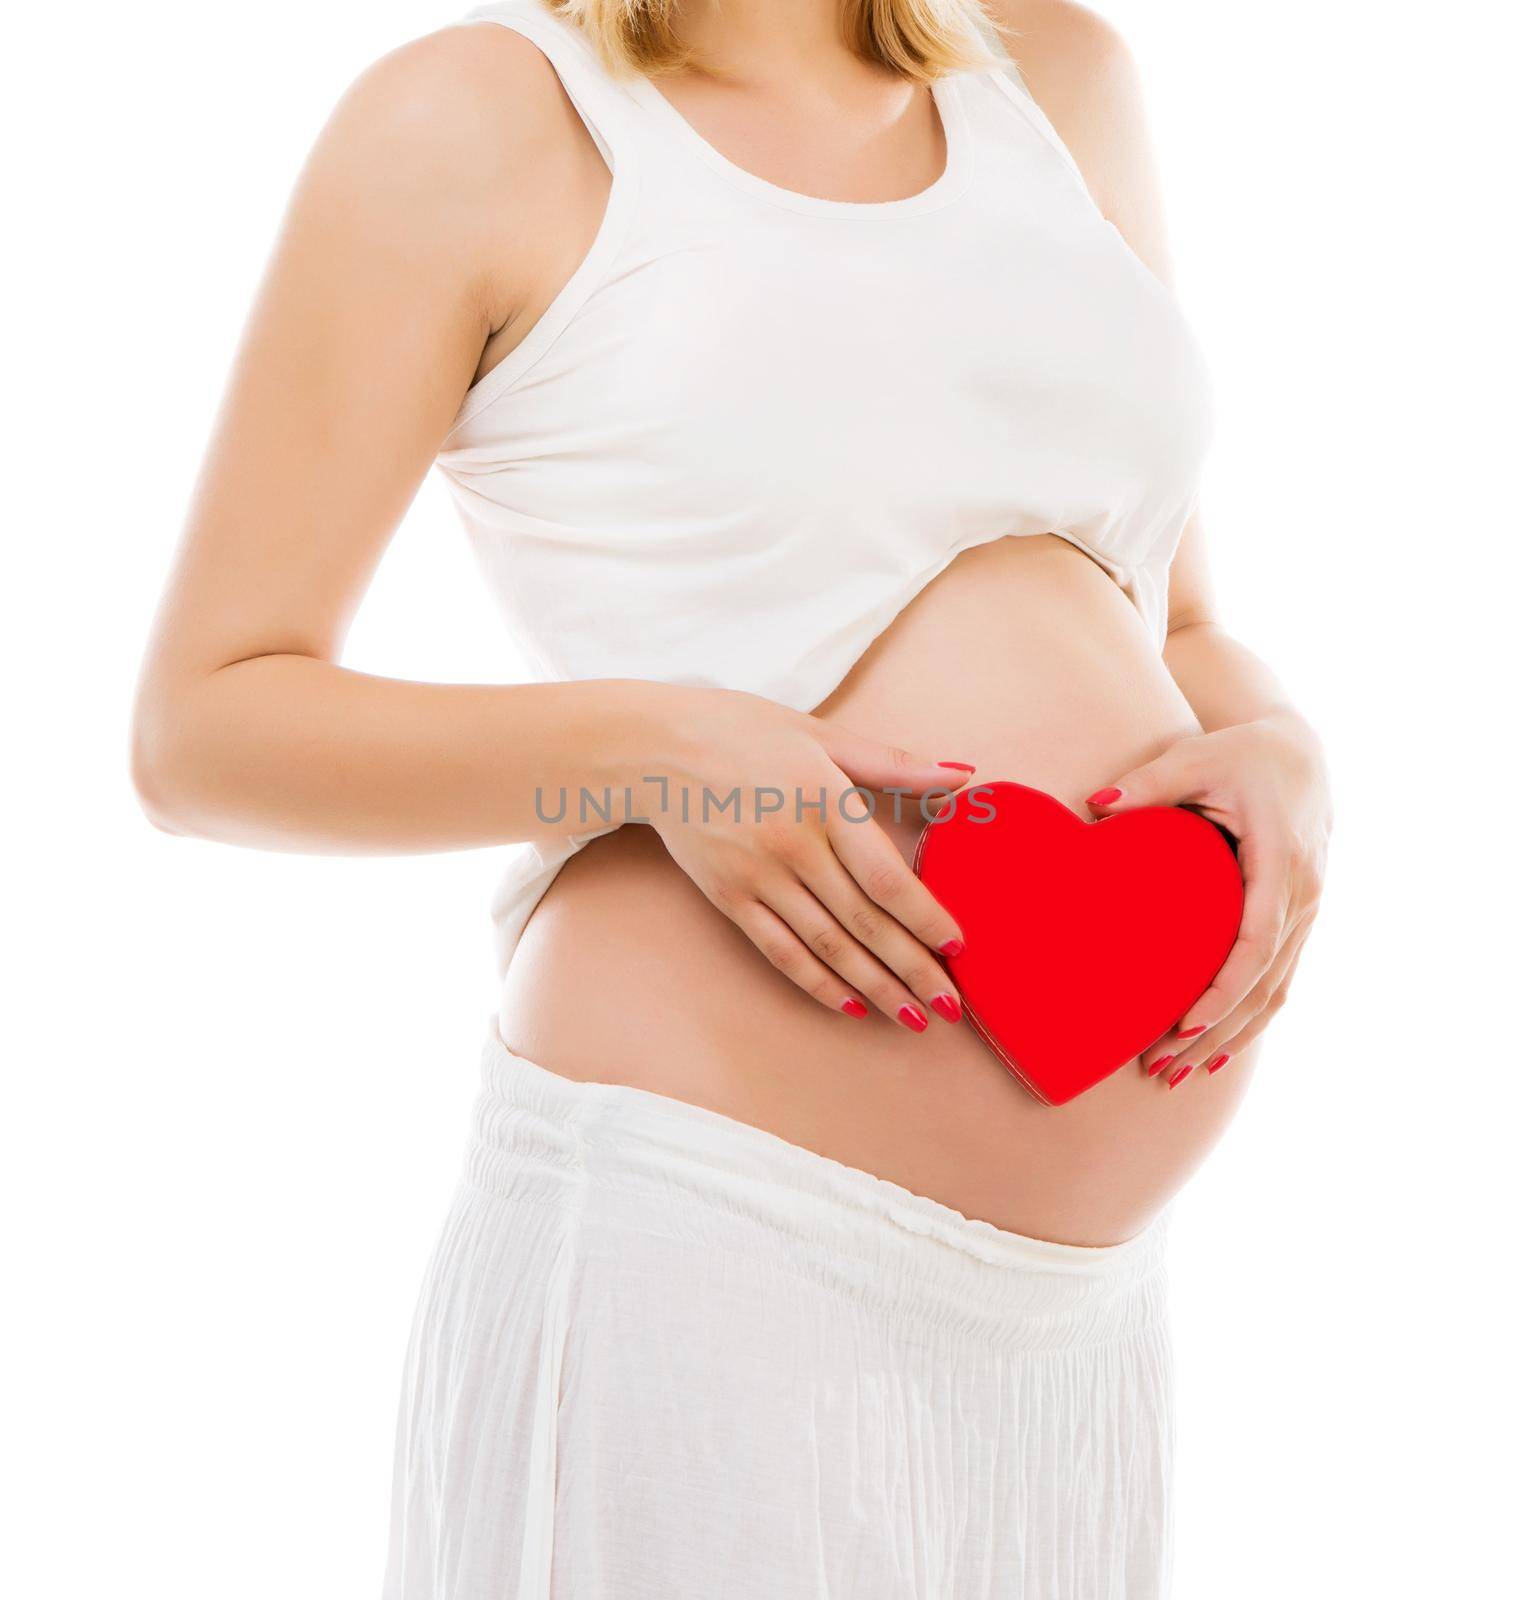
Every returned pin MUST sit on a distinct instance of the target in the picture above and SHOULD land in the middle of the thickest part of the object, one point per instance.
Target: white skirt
(662, 1355)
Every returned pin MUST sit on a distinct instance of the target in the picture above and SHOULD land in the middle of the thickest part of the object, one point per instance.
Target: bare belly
(1025, 658)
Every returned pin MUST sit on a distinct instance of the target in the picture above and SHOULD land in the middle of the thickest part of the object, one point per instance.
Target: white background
(236, 1085)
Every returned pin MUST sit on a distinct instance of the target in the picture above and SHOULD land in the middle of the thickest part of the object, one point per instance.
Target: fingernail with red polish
(1180, 1076)
(953, 947)
(1190, 1033)
(913, 1018)
(1217, 1063)
(1104, 797)
(1159, 1066)
(854, 1007)
(946, 1005)
(957, 766)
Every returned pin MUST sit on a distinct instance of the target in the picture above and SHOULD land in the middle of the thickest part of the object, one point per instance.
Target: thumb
(874, 765)
(1167, 780)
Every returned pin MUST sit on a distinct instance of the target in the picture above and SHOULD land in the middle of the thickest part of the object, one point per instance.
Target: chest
(1004, 354)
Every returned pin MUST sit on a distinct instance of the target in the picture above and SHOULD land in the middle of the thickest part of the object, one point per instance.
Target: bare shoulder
(1075, 62)
(445, 142)
(1084, 77)
(465, 101)
(1065, 34)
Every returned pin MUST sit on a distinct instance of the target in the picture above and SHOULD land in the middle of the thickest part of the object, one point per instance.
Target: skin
(452, 193)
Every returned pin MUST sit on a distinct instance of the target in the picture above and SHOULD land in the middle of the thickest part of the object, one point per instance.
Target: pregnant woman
(808, 384)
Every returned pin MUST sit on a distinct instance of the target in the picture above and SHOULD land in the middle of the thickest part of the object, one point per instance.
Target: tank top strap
(602, 104)
(1005, 80)
(609, 115)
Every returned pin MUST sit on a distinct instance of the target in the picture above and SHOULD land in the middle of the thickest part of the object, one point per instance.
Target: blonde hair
(919, 39)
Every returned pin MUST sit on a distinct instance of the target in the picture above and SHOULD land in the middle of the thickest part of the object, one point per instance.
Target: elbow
(1185, 619)
(161, 763)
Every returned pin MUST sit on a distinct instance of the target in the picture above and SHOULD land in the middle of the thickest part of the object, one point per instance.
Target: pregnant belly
(1024, 658)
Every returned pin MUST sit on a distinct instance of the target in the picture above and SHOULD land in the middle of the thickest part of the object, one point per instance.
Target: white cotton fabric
(663, 1355)
(754, 423)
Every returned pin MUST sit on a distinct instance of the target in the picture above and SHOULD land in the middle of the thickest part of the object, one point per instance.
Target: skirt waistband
(622, 1157)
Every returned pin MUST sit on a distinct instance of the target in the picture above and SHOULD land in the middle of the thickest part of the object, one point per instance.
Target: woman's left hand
(1265, 782)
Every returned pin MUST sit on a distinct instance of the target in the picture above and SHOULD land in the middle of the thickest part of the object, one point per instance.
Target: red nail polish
(953, 947)
(854, 1007)
(1159, 1066)
(946, 1005)
(957, 766)
(1180, 1076)
(1104, 797)
(1190, 1033)
(1217, 1063)
(913, 1018)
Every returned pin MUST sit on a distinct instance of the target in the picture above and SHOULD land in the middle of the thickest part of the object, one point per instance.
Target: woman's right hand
(790, 851)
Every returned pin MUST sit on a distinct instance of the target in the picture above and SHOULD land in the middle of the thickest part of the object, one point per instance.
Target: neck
(751, 39)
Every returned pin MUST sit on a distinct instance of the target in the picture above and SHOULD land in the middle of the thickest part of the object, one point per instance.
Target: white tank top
(754, 424)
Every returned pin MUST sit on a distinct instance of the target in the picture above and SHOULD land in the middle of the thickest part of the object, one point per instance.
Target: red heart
(1084, 941)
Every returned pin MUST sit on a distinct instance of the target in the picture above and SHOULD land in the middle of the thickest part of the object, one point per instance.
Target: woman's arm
(394, 264)
(405, 252)
(1257, 768)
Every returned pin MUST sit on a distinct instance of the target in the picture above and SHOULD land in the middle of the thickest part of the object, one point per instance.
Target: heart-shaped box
(1084, 942)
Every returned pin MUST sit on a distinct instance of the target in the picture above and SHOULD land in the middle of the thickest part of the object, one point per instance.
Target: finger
(1261, 934)
(1256, 1025)
(784, 950)
(1175, 776)
(1174, 1057)
(1213, 1049)
(884, 876)
(872, 764)
(831, 944)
